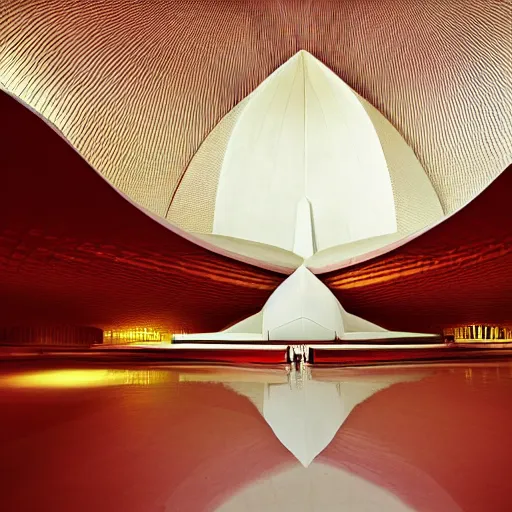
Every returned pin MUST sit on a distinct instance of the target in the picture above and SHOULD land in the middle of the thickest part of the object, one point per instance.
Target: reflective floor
(195, 438)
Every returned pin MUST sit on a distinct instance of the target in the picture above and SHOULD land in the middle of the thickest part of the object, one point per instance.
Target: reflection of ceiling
(417, 441)
(304, 413)
(141, 448)
(422, 440)
(137, 89)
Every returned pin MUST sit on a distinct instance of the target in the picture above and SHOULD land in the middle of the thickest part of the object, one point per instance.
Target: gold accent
(478, 333)
(135, 335)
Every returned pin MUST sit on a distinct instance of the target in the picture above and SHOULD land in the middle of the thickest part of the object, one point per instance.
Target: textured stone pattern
(193, 205)
(136, 87)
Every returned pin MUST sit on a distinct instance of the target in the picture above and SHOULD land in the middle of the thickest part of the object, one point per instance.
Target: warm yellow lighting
(86, 378)
(134, 335)
(481, 333)
(60, 379)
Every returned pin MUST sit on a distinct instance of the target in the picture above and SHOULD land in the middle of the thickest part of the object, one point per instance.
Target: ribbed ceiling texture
(72, 250)
(136, 87)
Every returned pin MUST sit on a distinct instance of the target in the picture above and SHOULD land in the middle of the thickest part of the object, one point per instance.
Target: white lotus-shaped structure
(301, 166)
(302, 169)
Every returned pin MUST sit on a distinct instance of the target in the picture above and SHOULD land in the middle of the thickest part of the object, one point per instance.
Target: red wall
(50, 335)
(72, 250)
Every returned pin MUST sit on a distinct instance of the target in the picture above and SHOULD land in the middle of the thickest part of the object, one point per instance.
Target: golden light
(134, 335)
(480, 333)
(86, 378)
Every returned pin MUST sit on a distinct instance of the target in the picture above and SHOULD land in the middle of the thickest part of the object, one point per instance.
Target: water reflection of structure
(487, 374)
(437, 443)
(321, 487)
(304, 413)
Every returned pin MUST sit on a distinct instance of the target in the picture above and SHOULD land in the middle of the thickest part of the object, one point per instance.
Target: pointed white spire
(304, 243)
(303, 133)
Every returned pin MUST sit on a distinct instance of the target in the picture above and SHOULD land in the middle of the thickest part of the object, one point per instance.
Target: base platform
(314, 354)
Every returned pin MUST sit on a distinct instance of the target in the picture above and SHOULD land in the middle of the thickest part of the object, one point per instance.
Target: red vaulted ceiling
(72, 250)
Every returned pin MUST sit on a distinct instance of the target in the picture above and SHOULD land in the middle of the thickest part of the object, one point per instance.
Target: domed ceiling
(152, 94)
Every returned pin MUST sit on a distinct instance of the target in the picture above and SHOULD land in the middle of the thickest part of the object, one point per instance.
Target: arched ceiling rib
(136, 88)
